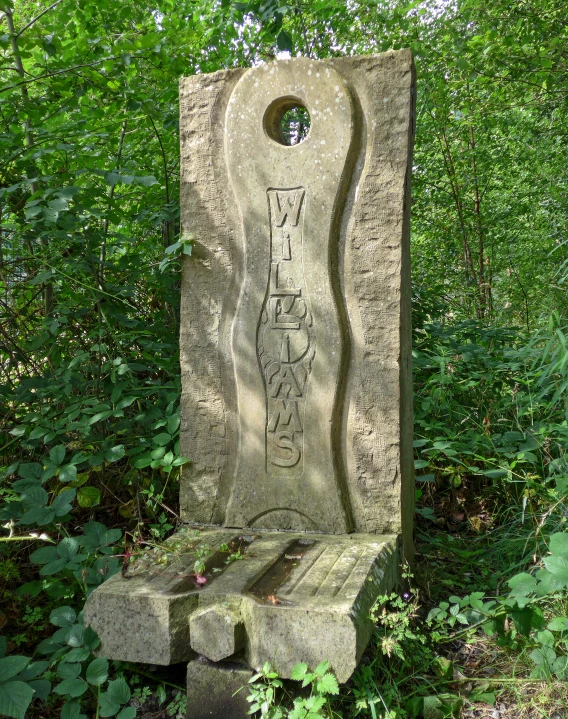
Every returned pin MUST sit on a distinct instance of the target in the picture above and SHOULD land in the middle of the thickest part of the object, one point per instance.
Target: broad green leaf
(67, 670)
(11, 665)
(126, 713)
(107, 706)
(15, 697)
(97, 671)
(559, 543)
(71, 687)
(72, 710)
(63, 616)
(57, 454)
(119, 691)
(522, 584)
(68, 473)
(33, 670)
(88, 497)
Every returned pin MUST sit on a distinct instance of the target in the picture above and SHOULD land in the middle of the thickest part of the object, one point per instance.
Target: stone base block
(281, 597)
(213, 690)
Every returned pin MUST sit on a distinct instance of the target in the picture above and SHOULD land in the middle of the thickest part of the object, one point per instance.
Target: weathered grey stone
(295, 332)
(213, 690)
(217, 632)
(293, 597)
(144, 616)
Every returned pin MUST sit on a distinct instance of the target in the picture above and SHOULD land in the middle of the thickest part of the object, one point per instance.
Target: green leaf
(127, 713)
(41, 688)
(559, 543)
(299, 671)
(63, 616)
(558, 624)
(61, 505)
(72, 687)
(68, 547)
(15, 697)
(78, 655)
(75, 638)
(72, 710)
(67, 670)
(97, 671)
(162, 439)
(31, 470)
(33, 670)
(114, 454)
(107, 706)
(543, 656)
(284, 42)
(68, 473)
(57, 454)
(119, 691)
(53, 567)
(39, 516)
(522, 584)
(90, 639)
(12, 665)
(88, 497)
(327, 684)
(558, 566)
(147, 181)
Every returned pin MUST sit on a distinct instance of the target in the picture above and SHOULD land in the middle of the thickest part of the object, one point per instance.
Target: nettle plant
(266, 690)
(518, 621)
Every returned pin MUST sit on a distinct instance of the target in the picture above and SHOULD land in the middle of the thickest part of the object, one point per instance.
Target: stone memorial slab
(298, 499)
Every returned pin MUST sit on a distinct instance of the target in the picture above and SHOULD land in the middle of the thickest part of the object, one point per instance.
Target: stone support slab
(217, 691)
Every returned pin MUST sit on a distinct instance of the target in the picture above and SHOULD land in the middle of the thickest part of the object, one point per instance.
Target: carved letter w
(286, 205)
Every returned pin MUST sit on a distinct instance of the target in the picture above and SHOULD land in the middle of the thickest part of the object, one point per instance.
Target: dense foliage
(90, 249)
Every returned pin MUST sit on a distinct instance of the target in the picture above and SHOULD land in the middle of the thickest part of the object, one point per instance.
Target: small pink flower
(200, 580)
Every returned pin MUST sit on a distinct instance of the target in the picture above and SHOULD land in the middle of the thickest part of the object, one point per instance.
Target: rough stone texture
(213, 690)
(329, 223)
(144, 617)
(294, 597)
(216, 632)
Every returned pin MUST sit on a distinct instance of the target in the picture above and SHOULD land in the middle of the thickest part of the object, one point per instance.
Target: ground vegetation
(90, 251)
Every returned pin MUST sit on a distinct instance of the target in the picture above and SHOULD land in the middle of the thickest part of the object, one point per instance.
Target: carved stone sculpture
(296, 372)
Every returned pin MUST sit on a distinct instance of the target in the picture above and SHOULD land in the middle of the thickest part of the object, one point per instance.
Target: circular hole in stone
(287, 121)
